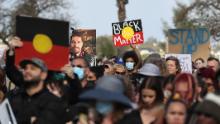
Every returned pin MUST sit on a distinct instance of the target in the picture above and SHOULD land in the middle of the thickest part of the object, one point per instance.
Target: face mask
(129, 65)
(79, 72)
(104, 107)
(167, 93)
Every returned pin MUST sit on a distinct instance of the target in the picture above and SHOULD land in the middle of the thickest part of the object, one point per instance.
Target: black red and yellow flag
(127, 33)
(44, 39)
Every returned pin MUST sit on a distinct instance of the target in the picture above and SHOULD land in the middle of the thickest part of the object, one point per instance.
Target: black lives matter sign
(127, 32)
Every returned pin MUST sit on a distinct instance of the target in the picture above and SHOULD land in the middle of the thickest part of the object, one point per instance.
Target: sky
(100, 14)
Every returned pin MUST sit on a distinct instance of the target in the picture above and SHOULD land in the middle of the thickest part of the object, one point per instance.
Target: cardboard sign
(189, 41)
(127, 32)
(6, 114)
(185, 61)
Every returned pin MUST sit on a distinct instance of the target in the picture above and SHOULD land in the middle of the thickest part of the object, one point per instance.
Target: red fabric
(55, 59)
(138, 38)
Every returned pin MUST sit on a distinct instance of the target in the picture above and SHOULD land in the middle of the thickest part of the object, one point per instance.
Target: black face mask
(90, 83)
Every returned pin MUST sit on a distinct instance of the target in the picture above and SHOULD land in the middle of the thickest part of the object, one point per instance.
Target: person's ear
(43, 75)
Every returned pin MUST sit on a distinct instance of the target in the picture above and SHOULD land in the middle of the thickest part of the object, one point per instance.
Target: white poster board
(6, 113)
(185, 61)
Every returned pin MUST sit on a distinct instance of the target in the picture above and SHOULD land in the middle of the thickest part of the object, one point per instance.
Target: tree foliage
(200, 13)
(105, 47)
(9, 9)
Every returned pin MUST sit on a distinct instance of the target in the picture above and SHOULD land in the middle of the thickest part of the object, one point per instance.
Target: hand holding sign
(15, 42)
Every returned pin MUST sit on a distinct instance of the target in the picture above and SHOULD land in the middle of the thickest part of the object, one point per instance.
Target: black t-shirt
(131, 118)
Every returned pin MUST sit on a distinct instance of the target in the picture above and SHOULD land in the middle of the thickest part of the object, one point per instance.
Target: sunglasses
(106, 66)
(121, 73)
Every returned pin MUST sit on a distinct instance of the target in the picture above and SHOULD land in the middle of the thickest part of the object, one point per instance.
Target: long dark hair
(153, 83)
(2, 80)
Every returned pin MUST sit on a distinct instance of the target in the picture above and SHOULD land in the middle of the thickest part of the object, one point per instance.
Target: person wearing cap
(32, 102)
(207, 112)
(110, 99)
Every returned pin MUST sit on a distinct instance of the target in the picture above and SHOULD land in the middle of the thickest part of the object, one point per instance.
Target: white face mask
(79, 72)
(104, 107)
(129, 65)
(167, 93)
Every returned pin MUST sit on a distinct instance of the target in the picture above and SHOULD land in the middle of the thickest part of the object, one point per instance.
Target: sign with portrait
(83, 44)
(185, 61)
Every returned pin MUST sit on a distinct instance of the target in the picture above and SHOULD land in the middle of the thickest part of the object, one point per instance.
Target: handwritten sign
(185, 61)
(189, 41)
(127, 32)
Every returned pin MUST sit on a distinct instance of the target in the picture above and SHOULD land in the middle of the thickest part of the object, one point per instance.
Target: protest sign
(83, 44)
(44, 39)
(127, 32)
(189, 41)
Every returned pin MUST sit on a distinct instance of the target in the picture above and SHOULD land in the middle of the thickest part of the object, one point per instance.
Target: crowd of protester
(120, 90)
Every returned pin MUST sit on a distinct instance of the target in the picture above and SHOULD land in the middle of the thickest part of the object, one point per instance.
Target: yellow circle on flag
(127, 33)
(42, 43)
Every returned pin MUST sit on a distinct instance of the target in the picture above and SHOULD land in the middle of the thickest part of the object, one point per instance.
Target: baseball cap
(35, 61)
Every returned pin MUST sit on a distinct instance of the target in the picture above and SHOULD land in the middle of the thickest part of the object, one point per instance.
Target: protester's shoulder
(15, 93)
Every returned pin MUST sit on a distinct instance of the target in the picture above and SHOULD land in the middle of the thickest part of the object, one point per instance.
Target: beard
(31, 83)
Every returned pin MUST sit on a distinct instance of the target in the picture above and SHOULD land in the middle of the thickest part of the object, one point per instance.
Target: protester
(109, 68)
(175, 112)
(132, 60)
(207, 112)
(150, 104)
(110, 99)
(156, 59)
(32, 102)
(80, 68)
(213, 63)
(168, 86)
(120, 70)
(208, 76)
(173, 65)
(184, 88)
(199, 63)
(94, 73)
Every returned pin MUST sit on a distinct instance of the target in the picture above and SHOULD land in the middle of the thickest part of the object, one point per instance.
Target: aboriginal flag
(44, 39)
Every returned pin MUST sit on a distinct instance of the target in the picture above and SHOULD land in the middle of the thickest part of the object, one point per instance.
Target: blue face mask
(129, 65)
(104, 107)
(79, 72)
